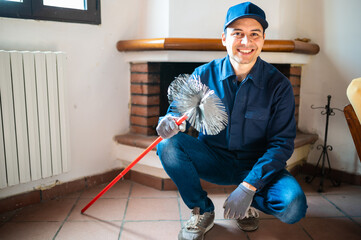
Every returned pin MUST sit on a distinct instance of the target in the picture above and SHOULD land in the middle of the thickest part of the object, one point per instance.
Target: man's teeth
(245, 51)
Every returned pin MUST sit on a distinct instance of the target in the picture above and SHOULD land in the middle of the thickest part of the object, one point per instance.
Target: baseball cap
(245, 10)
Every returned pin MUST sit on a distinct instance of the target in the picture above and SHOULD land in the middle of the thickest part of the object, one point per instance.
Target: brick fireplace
(154, 63)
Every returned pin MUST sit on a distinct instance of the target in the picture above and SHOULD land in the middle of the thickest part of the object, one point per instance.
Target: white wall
(205, 18)
(98, 76)
(98, 80)
(333, 25)
(156, 19)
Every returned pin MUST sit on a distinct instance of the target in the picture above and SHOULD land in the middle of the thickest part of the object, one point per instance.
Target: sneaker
(197, 225)
(250, 222)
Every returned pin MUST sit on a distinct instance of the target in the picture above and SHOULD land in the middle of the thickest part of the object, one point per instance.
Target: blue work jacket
(261, 123)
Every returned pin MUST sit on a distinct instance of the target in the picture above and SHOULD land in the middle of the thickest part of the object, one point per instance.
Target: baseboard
(164, 184)
(36, 196)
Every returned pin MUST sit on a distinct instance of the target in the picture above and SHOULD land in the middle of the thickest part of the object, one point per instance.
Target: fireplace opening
(168, 72)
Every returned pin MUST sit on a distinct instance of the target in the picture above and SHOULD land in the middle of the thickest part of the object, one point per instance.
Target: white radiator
(33, 121)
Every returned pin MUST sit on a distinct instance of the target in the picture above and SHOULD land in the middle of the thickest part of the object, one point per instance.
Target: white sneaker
(197, 225)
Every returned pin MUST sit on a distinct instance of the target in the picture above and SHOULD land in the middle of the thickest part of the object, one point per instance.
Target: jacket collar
(256, 73)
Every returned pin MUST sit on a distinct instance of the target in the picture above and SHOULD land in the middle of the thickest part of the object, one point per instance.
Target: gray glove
(238, 202)
(167, 127)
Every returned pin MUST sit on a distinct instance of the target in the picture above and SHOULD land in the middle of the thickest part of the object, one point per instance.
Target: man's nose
(244, 40)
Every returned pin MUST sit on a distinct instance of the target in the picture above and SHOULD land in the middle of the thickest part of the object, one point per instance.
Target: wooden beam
(211, 44)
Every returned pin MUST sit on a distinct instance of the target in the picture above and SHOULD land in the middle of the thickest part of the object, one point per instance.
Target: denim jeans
(187, 160)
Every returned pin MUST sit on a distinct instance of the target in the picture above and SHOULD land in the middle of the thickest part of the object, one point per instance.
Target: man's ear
(223, 39)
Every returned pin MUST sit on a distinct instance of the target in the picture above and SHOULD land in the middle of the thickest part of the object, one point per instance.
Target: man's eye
(254, 34)
(238, 34)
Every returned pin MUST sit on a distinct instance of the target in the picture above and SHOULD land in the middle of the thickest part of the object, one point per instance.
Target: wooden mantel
(211, 44)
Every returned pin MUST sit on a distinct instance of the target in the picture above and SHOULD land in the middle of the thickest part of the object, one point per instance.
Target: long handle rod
(131, 165)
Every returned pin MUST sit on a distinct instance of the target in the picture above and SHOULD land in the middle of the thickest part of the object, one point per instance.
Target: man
(253, 149)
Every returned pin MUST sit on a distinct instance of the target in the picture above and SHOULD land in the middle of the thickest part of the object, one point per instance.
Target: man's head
(244, 34)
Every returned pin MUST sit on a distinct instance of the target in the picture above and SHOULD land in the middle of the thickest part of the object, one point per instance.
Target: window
(74, 4)
(79, 11)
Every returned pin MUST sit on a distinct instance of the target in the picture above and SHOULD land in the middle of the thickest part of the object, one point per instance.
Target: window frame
(34, 9)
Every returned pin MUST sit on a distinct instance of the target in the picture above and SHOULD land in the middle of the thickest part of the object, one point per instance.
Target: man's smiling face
(244, 39)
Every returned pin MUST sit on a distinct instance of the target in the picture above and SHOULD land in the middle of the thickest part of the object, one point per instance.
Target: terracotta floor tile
(152, 209)
(118, 190)
(274, 229)
(350, 204)
(29, 230)
(141, 191)
(318, 206)
(54, 210)
(332, 228)
(152, 230)
(153, 214)
(225, 229)
(89, 231)
(103, 209)
(344, 189)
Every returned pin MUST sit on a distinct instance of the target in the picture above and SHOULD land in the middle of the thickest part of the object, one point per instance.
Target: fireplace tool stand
(324, 154)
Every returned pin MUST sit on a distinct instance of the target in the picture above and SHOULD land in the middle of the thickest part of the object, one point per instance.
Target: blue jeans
(187, 160)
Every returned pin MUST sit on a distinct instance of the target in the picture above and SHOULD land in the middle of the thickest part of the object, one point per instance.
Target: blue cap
(246, 10)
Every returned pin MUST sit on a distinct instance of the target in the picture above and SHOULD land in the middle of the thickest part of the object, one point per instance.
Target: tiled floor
(130, 211)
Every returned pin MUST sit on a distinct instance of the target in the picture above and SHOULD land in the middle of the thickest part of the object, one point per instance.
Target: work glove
(168, 127)
(238, 202)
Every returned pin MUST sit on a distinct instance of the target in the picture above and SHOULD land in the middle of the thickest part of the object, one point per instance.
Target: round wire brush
(205, 111)
(195, 102)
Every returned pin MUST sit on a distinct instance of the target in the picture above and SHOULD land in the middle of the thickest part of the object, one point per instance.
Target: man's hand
(167, 127)
(238, 202)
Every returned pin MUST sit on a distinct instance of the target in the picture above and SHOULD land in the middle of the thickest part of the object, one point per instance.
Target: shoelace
(252, 212)
(193, 221)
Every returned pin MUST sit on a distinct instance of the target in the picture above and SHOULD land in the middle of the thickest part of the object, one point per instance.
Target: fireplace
(154, 63)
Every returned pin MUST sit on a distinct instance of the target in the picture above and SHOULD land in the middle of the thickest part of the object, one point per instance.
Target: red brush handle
(116, 179)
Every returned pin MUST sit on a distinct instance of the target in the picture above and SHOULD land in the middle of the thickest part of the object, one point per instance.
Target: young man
(253, 149)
